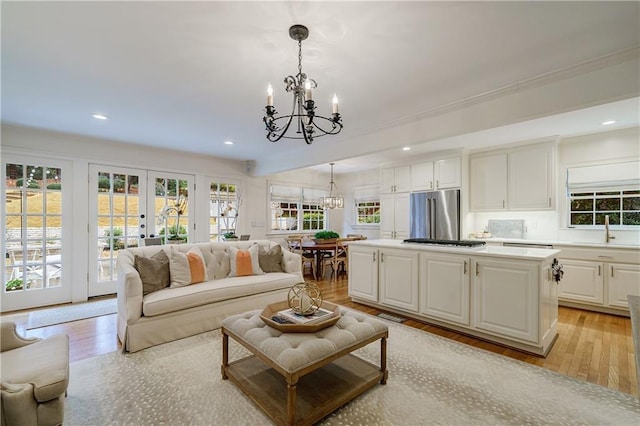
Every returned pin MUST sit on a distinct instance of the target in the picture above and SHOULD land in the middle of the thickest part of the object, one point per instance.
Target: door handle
(611, 271)
(464, 272)
(477, 269)
(599, 273)
(374, 257)
(437, 183)
(381, 257)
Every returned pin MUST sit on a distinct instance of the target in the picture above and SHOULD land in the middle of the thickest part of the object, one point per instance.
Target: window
(296, 209)
(590, 208)
(223, 209)
(367, 202)
(604, 190)
(367, 212)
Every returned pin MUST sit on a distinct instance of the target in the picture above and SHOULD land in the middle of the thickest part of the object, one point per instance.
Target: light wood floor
(591, 346)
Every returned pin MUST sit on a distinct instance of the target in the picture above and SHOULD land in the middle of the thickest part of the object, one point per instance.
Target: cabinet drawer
(599, 254)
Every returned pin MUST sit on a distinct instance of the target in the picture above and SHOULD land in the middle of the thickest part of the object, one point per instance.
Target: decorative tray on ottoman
(272, 310)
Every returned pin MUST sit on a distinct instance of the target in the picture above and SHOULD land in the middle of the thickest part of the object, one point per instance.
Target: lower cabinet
(582, 281)
(506, 298)
(444, 287)
(399, 279)
(623, 279)
(363, 272)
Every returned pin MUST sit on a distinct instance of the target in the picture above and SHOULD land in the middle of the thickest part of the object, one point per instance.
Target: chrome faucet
(608, 236)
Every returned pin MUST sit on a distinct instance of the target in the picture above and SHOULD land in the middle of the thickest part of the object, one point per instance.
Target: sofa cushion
(154, 271)
(44, 364)
(187, 268)
(244, 262)
(177, 299)
(271, 260)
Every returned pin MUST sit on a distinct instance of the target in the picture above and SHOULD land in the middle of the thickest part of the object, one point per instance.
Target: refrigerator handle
(432, 217)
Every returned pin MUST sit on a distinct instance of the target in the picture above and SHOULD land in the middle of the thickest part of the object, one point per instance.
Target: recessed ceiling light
(100, 116)
(406, 148)
(606, 123)
(228, 143)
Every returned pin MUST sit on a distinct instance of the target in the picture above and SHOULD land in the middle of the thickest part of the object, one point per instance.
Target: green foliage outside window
(590, 208)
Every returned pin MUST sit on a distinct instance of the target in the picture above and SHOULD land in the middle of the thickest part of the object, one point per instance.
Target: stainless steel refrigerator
(435, 214)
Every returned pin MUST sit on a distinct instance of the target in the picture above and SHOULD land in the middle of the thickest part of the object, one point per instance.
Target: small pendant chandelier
(332, 201)
(308, 124)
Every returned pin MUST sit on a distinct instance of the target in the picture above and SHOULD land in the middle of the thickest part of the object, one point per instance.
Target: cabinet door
(401, 216)
(530, 178)
(444, 287)
(582, 281)
(387, 216)
(422, 176)
(402, 178)
(488, 182)
(363, 273)
(386, 181)
(447, 173)
(623, 280)
(505, 294)
(399, 279)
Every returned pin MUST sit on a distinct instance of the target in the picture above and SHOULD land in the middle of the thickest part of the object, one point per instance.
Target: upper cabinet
(395, 179)
(515, 179)
(438, 174)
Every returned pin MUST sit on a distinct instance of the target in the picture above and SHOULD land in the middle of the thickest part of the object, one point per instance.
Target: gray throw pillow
(270, 261)
(154, 272)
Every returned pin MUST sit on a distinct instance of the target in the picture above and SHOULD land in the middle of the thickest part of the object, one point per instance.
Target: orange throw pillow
(244, 262)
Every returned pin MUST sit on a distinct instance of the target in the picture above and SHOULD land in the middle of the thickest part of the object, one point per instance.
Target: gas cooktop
(458, 243)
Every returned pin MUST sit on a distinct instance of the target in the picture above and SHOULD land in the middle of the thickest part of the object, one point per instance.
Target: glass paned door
(34, 273)
(118, 198)
(223, 209)
(172, 203)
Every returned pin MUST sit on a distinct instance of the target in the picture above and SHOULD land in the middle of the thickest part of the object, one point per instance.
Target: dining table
(321, 250)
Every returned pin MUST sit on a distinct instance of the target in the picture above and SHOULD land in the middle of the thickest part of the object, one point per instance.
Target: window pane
(608, 204)
(607, 193)
(631, 218)
(631, 192)
(632, 203)
(614, 218)
(581, 219)
(582, 205)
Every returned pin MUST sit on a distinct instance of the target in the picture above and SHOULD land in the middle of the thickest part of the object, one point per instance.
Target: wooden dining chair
(340, 257)
(294, 242)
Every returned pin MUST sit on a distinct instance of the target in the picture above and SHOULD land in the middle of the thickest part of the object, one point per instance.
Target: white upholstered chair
(34, 378)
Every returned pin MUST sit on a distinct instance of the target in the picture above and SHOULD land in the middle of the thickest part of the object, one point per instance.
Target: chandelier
(332, 201)
(308, 124)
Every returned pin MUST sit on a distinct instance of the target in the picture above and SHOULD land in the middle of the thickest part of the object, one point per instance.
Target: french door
(36, 214)
(127, 206)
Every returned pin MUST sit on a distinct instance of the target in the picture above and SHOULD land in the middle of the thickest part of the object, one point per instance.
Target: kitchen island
(506, 295)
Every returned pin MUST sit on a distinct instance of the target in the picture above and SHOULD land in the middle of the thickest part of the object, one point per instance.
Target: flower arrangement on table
(175, 232)
(325, 236)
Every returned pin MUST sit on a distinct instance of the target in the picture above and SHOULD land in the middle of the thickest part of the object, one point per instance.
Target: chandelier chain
(300, 57)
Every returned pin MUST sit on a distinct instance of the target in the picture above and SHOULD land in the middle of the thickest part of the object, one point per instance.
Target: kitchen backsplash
(537, 225)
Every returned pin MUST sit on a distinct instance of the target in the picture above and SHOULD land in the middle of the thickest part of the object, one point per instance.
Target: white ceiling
(190, 75)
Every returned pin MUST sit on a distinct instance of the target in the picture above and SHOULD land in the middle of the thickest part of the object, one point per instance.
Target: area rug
(73, 312)
(432, 380)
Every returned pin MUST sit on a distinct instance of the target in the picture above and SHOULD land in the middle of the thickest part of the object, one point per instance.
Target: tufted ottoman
(320, 372)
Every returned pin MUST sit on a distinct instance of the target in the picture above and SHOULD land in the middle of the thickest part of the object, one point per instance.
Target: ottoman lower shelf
(318, 393)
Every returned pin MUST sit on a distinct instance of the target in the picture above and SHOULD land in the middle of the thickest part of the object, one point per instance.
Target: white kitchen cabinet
(623, 279)
(582, 281)
(447, 173)
(444, 287)
(395, 179)
(363, 272)
(488, 182)
(422, 177)
(394, 216)
(506, 298)
(531, 178)
(599, 278)
(399, 279)
(515, 179)
(433, 175)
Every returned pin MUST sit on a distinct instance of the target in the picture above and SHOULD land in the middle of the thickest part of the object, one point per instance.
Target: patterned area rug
(432, 380)
(73, 312)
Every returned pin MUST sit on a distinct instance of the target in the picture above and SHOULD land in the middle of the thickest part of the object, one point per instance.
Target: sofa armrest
(10, 339)
(291, 262)
(129, 292)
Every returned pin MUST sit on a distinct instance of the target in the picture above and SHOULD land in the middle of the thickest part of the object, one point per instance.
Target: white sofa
(174, 313)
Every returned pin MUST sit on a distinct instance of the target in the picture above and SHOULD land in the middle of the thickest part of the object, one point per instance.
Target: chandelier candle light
(309, 125)
(332, 201)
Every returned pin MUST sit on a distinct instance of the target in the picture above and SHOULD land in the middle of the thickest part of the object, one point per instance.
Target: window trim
(300, 201)
(594, 197)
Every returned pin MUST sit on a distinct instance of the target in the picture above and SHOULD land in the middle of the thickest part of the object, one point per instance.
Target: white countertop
(612, 245)
(494, 251)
